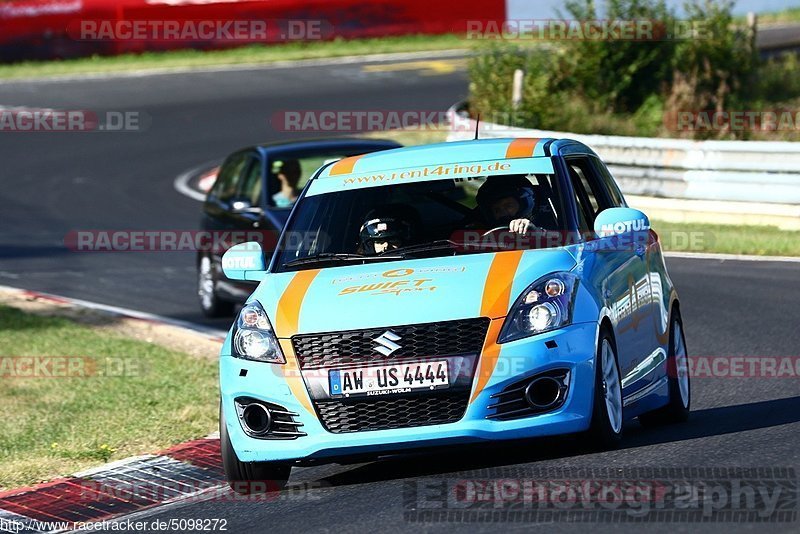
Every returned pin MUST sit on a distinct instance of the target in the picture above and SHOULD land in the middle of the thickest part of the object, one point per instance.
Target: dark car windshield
(437, 218)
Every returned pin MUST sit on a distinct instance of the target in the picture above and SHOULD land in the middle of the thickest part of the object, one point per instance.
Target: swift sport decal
(395, 281)
(396, 287)
(494, 304)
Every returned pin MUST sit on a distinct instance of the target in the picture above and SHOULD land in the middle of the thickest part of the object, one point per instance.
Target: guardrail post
(516, 91)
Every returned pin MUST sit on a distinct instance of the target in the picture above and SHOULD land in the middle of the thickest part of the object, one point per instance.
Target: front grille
(340, 416)
(427, 340)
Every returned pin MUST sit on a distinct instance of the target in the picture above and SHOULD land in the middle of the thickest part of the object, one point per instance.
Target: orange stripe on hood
(497, 291)
(345, 166)
(287, 317)
(291, 373)
(496, 299)
(521, 148)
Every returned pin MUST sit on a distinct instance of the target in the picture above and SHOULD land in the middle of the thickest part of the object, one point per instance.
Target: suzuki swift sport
(449, 294)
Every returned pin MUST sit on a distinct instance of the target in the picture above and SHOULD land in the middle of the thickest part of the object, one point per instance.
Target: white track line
(731, 257)
(181, 183)
(127, 312)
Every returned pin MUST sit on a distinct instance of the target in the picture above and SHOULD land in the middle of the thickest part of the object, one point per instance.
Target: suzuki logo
(386, 343)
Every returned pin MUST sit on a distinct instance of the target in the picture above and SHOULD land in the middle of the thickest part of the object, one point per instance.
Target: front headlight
(253, 337)
(545, 305)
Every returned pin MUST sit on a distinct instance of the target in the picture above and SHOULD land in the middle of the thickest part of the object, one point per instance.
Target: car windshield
(420, 219)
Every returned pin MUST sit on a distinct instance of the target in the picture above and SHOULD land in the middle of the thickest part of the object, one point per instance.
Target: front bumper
(574, 349)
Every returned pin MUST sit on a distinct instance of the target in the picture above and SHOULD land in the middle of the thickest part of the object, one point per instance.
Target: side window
(288, 173)
(225, 188)
(610, 185)
(585, 198)
(251, 183)
(590, 197)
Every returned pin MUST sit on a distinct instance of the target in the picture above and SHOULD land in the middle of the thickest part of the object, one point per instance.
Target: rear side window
(610, 185)
(228, 178)
(588, 201)
(251, 184)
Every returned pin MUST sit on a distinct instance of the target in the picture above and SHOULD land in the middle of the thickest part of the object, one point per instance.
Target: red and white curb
(197, 181)
(118, 489)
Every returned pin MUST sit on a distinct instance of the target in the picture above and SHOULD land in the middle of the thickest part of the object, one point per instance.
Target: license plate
(388, 379)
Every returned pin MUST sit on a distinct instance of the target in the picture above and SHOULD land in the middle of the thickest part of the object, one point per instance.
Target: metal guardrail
(745, 171)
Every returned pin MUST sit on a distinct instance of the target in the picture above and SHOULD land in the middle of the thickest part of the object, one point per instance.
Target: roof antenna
(477, 126)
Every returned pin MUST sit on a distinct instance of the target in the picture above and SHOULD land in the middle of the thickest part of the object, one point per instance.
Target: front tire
(210, 302)
(249, 477)
(680, 393)
(607, 412)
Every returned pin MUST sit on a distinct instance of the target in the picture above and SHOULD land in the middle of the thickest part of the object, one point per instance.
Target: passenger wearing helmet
(507, 201)
(384, 229)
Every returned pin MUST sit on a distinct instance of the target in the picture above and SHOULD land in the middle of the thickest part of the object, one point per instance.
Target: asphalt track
(54, 183)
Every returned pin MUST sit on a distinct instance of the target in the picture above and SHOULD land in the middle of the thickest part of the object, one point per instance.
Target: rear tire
(680, 393)
(607, 411)
(210, 302)
(250, 477)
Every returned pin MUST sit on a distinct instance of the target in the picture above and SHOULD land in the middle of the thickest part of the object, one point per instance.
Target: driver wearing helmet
(384, 229)
(507, 201)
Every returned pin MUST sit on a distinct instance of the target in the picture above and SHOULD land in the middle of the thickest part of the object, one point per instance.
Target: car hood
(414, 291)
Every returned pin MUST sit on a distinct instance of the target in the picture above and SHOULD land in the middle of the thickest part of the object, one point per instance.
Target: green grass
(52, 426)
(728, 239)
(253, 54)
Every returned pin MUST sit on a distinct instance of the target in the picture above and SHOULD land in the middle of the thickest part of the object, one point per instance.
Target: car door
(233, 213)
(658, 295)
(620, 271)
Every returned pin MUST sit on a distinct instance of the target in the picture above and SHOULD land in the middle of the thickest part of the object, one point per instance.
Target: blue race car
(449, 294)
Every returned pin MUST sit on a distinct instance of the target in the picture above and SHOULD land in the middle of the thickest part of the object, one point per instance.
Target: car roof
(316, 144)
(450, 153)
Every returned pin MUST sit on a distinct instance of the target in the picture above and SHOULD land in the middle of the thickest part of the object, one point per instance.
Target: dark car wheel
(210, 302)
(607, 412)
(680, 394)
(250, 477)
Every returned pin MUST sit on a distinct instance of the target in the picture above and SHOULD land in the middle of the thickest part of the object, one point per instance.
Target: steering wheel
(493, 230)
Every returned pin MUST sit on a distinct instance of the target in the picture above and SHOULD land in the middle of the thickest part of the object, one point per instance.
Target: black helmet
(497, 187)
(388, 223)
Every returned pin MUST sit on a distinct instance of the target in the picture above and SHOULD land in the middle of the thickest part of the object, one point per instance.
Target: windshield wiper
(326, 257)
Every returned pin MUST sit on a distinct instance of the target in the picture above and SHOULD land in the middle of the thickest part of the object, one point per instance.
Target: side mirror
(245, 261)
(244, 206)
(620, 221)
